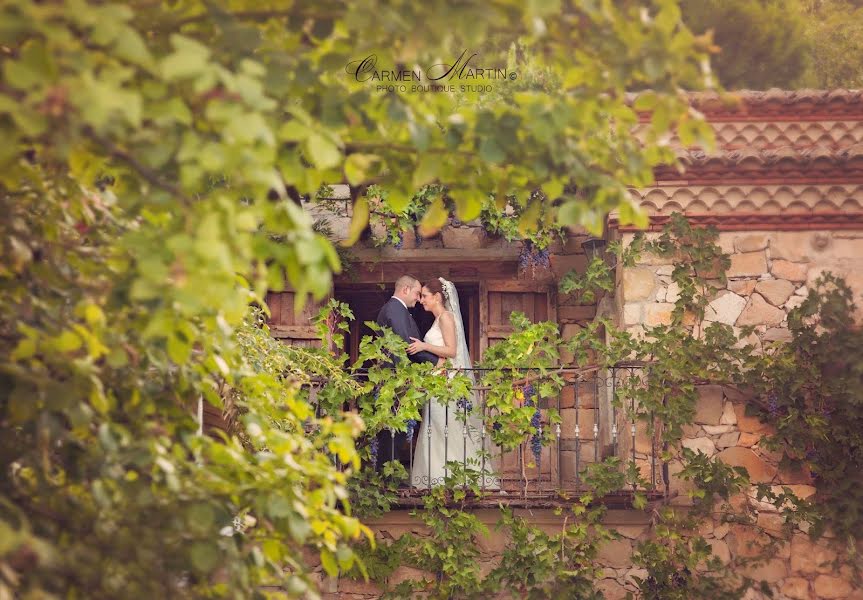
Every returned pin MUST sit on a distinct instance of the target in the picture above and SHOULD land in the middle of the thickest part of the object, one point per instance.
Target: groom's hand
(416, 346)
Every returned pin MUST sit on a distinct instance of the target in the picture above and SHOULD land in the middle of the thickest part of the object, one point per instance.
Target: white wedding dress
(445, 435)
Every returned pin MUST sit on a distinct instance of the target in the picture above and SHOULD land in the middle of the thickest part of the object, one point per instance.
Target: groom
(395, 315)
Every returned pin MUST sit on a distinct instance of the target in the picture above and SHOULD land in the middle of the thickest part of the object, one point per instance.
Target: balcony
(590, 420)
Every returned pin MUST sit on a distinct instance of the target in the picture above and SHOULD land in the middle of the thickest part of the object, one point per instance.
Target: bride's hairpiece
(443, 286)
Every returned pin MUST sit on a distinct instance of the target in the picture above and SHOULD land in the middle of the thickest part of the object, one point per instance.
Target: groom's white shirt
(402, 301)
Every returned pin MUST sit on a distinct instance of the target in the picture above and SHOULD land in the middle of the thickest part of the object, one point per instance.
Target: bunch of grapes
(465, 405)
(412, 426)
(772, 404)
(535, 421)
(533, 258)
(400, 244)
(536, 439)
(373, 450)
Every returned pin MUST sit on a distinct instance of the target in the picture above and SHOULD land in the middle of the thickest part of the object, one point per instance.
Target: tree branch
(149, 175)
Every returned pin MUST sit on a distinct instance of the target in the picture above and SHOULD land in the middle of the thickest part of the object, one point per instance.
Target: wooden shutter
(499, 299)
(293, 328)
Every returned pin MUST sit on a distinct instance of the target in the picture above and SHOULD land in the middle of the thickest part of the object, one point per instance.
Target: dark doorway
(366, 301)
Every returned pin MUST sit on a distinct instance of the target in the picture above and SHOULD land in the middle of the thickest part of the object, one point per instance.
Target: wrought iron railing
(592, 427)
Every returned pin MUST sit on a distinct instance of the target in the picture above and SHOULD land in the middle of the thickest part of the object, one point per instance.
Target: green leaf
(427, 170)
(434, 219)
(204, 556)
(130, 46)
(356, 167)
(553, 189)
(35, 66)
(358, 222)
(490, 152)
(323, 153)
(328, 560)
(189, 59)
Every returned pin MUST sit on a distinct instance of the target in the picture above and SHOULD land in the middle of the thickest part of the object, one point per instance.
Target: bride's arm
(447, 328)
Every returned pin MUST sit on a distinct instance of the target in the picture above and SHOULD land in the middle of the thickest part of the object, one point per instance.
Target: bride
(442, 434)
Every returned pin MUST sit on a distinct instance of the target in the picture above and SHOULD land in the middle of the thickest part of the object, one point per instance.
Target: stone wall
(770, 274)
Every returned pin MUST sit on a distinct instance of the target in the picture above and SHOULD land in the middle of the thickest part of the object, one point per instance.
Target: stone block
(727, 440)
(720, 531)
(752, 242)
(725, 309)
(658, 314)
(703, 445)
(743, 287)
(611, 589)
(717, 429)
(463, 238)
(792, 245)
(772, 571)
(672, 294)
(748, 264)
(615, 553)
(729, 417)
(792, 271)
(796, 588)
(638, 284)
(403, 573)
(775, 291)
(563, 264)
(759, 471)
(811, 557)
(708, 407)
(493, 541)
(759, 312)
(746, 541)
(776, 334)
(828, 586)
(746, 423)
(358, 586)
(720, 550)
(633, 314)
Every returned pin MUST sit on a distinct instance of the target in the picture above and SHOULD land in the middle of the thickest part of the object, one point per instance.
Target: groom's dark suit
(396, 316)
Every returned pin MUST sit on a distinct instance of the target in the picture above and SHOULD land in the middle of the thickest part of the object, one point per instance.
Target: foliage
(390, 225)
(527, 355)
(530, 219)
(451, 548)
(373, 492)
(680, 563)
(699, 264)
(598, 276)
(810, 390)
(791, 45)
(762, 42)
(396, 389)
(535, 564)
(834, 32)
(106, 488)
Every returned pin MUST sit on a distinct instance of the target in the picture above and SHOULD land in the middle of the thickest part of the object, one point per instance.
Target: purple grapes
(535, 420)
(465, 405)
(400, 244)
(533, 258)
(373, 450)
(772, 404)
(412, 426)
(536, 438)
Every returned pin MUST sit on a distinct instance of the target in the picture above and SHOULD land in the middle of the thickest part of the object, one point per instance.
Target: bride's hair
(434, 286)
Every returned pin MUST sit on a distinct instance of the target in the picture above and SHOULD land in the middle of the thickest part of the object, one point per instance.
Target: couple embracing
(445, 340)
